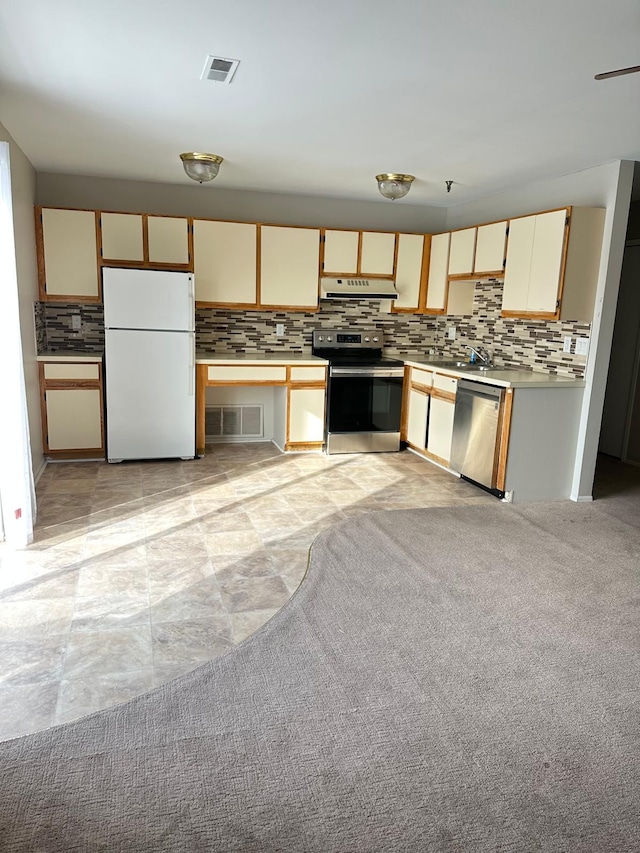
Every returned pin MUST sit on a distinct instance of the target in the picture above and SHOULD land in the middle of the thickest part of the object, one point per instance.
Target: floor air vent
(226, 423)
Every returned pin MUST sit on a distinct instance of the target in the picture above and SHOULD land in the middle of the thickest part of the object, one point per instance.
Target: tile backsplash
(228, 332)
(59, 333)
(533, 344)
(529, 344)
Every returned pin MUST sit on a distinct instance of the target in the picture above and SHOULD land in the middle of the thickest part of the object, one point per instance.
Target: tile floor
(143, 570)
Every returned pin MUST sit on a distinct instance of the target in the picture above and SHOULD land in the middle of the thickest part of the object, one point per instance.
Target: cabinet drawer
(72, 371)
(248, 373)
(445, 383)
(422, 377)
(308, 374)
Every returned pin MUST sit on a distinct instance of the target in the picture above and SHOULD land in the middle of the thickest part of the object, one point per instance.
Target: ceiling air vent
(219, 69)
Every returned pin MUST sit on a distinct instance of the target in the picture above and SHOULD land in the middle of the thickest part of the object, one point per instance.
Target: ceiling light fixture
(201, 167)
(393, 186)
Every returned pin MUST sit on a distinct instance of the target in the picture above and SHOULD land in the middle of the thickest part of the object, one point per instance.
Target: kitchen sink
(467, 365)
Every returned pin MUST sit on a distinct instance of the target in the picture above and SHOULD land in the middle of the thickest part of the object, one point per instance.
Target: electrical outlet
(279, 329)
(76, 322)
(567, 344)
(451, 333)
(582, 346)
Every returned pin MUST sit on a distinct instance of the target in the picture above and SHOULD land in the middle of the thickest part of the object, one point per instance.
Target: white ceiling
(488, 93)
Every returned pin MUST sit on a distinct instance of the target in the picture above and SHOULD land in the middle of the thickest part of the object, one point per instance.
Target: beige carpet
(455, 679)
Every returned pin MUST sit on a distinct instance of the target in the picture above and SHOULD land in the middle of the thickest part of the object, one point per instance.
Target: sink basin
(467, 365)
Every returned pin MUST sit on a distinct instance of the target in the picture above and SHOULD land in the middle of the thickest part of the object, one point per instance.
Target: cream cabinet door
(438, 268)
(70, 254)
(462, 251)
(306, 415)
(341, 252)
(409, 270)
(518, 267)
(534, 263)
(225, 262)
(440, 428)
(168, 238)
(122, 237)
(417, 418)
(546, 262)
(378, 252)
(289, 266)
(74, 419)
(490, 246)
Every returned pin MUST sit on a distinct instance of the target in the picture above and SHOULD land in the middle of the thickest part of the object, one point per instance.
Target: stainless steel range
(364, 392)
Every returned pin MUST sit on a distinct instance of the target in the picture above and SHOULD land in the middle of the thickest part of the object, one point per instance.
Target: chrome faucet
(483, 354)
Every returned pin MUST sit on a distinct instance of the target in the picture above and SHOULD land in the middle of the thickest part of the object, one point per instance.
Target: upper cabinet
(144, 240)
(411, 270)
(358, 253)
(225, 263)
(462, 251)
(67, 255)
(122, 237)
(340, 252)
(490, 248)
(377, 253)
(436, 300)
(168, 240)
(552, 264)
(289, 263)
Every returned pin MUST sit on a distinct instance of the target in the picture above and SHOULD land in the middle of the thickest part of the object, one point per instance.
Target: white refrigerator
(149, 318)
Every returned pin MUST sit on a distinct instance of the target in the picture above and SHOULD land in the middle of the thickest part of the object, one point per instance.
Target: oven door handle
(355, 372)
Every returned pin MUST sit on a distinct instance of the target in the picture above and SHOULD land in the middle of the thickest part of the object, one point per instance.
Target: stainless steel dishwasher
(476, 425)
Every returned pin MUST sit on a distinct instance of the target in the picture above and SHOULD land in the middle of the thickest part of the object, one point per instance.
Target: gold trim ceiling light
(201, 167)
(393, 185)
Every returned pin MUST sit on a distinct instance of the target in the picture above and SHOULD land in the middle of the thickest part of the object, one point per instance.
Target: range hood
(357, 288)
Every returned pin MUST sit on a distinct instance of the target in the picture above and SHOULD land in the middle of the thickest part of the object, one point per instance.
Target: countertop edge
(311, 360)
(530, 379)
(93, 357)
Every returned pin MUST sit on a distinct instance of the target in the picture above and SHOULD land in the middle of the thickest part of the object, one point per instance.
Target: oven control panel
(342, 339)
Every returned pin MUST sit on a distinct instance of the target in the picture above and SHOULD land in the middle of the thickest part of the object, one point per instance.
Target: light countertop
(504, 377)
(69, 355)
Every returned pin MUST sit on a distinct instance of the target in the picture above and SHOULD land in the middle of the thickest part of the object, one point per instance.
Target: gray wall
(211, 202)
(23, 189)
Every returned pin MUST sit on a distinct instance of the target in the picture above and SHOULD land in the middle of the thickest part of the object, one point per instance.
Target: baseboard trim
(39, 471)
(582, 499)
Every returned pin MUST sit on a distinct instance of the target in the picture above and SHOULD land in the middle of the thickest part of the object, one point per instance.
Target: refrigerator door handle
(192, 361)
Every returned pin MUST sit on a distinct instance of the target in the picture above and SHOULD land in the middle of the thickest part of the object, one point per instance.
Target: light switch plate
(567, 344)
(582, 346)
(279, 329)
(451, 333)
(76, 322)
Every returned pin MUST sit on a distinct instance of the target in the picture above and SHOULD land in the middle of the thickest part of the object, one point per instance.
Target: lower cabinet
(430, 405)
(440, 428)
(305, 416)
(299, 393)
(417, 418)
(72, 410)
